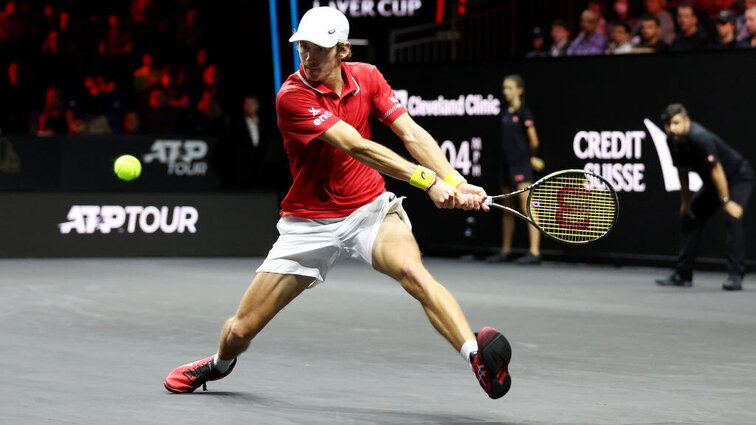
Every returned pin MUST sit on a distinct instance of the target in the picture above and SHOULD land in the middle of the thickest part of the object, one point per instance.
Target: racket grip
(488, 201)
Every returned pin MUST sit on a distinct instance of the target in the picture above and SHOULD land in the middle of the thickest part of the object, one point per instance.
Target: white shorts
(310, 247)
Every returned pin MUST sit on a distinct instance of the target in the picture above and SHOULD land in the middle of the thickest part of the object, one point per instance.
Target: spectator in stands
(194, 72)
(11, 24)
(619, 34)
(66, 39)
(49, 19)
(252, 120)
(622, 12)
(139, 10)
(141, 24)
(539, 44)
(116, 42)
(658, 9)
(189, 34)
(201, 58)
(211, 119)
(560, 38)
(725, 31)
(740, 21)
(146, 75)
(597, 7)
(103, 107)
(589, 41)
(131, 123)
(690, 37)
(750, 23)
(177, 97)
(54, 118)
(650, 41)
(210, 77)
(51, 43)
(258, 156)
(14, 107)
(160, 118)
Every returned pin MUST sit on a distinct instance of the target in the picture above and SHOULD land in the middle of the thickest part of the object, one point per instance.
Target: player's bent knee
(415, 279)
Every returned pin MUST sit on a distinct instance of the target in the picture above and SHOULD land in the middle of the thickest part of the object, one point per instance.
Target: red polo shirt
(328, 183)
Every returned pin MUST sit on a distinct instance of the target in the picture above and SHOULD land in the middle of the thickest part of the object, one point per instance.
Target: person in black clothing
(539, 44)
(650, 30)
(519, 143)
(560, 38)
(726, 31)
(690, 37)
(728, 181)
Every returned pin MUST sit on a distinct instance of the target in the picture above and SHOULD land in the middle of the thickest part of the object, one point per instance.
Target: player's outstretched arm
(346, 138)
(423, 147)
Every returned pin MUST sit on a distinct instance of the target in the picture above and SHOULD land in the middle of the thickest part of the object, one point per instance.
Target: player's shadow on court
(356, 414)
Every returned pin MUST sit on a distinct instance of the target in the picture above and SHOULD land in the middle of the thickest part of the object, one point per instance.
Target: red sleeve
(386, 107)
(301, 118)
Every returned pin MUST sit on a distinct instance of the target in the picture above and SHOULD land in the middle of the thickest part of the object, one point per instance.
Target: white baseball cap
(324, 26)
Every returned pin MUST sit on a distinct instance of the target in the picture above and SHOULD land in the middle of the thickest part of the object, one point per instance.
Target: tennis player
(338, 207)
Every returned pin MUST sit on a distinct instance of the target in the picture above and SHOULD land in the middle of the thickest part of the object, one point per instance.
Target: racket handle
(488, 201)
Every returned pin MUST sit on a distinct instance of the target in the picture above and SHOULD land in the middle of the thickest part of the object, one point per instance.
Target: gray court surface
(90, 341)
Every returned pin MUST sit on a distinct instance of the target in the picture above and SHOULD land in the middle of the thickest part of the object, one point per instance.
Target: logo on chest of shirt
(314, 111)
(515, 119)
(324, 116)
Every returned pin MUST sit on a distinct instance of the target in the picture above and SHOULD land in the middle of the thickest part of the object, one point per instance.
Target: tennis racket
(570, 206)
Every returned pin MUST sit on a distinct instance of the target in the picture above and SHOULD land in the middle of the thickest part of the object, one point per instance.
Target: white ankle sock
(470, 346)
(221, 365)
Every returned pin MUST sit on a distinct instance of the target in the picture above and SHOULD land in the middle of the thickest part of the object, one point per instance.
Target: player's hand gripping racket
(571, 206)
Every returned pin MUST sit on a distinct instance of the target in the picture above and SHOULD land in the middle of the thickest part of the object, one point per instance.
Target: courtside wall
(59, 197)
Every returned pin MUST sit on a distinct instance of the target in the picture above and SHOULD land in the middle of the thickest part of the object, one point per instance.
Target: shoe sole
(176, 391)
(497, 351)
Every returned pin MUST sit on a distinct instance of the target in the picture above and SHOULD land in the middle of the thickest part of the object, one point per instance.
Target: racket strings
(574, 207)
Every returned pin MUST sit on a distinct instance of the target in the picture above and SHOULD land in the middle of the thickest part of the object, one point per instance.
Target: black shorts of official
(513, 174)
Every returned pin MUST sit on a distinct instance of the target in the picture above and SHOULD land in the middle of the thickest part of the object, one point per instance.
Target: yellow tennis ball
(127, 167)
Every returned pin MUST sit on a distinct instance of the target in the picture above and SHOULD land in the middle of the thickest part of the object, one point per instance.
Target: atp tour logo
(183, 157)
(464, 105)
(613, 146)
(90, 219)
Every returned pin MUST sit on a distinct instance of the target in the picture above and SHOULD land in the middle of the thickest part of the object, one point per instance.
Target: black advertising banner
(136, 225)
(85, 164)
(600, 114)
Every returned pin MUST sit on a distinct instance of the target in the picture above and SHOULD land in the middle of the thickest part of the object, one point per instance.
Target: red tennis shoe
(189, 377)
(491, 363)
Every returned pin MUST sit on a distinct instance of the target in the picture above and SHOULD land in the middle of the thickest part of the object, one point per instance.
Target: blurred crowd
(95, 67)
(675, 26)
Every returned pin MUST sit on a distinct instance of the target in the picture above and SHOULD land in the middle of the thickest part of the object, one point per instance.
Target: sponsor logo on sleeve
(323, 117)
